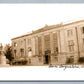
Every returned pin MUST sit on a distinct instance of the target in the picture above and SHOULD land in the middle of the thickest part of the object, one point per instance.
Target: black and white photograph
(37, 40)
(41, 34)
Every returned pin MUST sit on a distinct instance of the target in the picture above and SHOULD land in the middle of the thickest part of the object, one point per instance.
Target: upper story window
(29, 49)
(82, 30)
(29, 41)
(69, 33)
(71, 45)
(15, 44)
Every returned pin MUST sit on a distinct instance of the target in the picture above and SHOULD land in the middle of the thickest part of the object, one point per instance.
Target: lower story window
(29, 61)
(71, 45)
(22, 52)
(39, 59)
(56, 58)
(70, 59)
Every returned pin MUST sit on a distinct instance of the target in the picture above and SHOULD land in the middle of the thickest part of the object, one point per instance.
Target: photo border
(41, 1)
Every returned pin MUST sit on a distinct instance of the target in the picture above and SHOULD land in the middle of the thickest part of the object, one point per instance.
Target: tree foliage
(8, 52)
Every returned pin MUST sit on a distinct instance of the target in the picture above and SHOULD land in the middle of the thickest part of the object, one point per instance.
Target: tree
(8, 53)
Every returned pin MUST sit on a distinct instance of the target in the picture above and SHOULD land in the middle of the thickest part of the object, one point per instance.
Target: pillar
(51, 43)
(59, 41)
(43, 48)
(36, 45)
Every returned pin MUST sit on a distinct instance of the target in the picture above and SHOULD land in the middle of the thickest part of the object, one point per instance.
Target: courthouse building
(56, 44)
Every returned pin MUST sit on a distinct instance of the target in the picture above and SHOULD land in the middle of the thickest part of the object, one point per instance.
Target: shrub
(81, 59)
(70, 60)
(20, 62)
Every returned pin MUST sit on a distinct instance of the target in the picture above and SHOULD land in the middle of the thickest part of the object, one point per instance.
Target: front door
(47, 59)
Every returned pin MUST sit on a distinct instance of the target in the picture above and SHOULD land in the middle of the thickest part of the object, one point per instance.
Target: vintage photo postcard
(41, 41)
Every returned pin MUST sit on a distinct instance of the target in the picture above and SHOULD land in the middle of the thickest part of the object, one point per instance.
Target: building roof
(46, 27)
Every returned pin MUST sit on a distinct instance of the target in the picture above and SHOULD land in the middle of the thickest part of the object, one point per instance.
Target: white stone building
(56, 44)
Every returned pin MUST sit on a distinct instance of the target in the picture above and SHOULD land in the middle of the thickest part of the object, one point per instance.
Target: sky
(18, 19)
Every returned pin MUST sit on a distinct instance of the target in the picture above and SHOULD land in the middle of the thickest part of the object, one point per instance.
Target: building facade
(56, 44)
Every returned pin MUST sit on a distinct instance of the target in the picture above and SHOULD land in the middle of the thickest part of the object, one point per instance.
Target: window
(71, 45)
(29, 41)
(29, 49)
(47, 42)
(55, 42)
(70, 59)
(15, 44)
(69, 33)
(40, 59)
(29, 61)
(22, 52)
(57, 49)
(83, 43)
(82, 30)
(56, 58)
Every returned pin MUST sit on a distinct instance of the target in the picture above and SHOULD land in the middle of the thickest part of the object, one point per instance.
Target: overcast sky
(18, 19)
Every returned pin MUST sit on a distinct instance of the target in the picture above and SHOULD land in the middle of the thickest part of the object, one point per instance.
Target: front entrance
(47, 59)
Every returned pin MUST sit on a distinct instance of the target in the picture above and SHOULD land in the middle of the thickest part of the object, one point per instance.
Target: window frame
(15, 44)
(69, 32)
(82, 30)
(71, 45)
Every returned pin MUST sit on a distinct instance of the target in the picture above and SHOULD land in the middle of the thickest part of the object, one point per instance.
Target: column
(33, 46)
(51, 43)
(59, 41)
(51, 48)
(36, 45)
(25, 48)
(43, 49)
(59, 46)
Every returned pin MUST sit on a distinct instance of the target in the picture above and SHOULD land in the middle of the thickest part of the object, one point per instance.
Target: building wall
(63, 42)
(80, 38)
